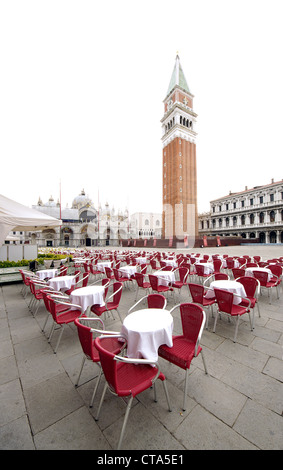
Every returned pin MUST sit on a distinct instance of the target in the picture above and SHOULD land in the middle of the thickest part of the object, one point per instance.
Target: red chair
(153, 264)
(127, 378)
(153, 301)
(186, 346)
(183, 277)
(225, 303)
(95, 272)
(200, 272)
(63, 271)
(264, 283)
(276, 270)
(120, 277)
(251, 264)
(36, 287)
(141, 283)
(252, 288)
(198, 292)
(109, 273)
(155, 285)
(217, 265)
(60, 308)
(238, 272)
(115, 298)
(87, 335)
(62, 318)
(76, 282)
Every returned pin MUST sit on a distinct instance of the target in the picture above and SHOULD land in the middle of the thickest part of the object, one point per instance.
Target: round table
(231, 286)
(145, 330)
(249, 272)
(165, 277)
(62, 282)
(88, 296)
(47, 273)
(208, 267)
(128, 271)
(100, 266)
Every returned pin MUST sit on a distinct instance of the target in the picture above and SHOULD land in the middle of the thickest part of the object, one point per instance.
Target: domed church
(83, 224)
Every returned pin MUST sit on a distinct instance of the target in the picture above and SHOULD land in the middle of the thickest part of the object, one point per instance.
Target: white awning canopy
(14, 216)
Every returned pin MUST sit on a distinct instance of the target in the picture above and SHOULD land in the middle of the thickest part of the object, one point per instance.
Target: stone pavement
(237, 406)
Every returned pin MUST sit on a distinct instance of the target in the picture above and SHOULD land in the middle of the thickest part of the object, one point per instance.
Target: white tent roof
(15, 216)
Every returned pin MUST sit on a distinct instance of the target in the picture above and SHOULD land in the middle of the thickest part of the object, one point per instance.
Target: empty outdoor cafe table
(128, 271)
(88, 296)
(230, 286)
(141, 260)
(145, 330)
(101, 265)
(62, 282)
(249, 272)
(47, 273)
(208, 267)
(165, 277)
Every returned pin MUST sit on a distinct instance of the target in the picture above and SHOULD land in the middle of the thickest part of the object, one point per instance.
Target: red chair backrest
(197, 291)
(221, 276)
(153, 281)
(224, 300)
(192, 318)
(86, 340)
(217, 264)
(230, 263)
(261, 276)
(108, 364)
(85, 280)
(156, 301)
(117, 296)
(183, 274)
(199, 269)
(250, 284)
(139, 278)
(238, 272)
(108, 272)
(276, 269)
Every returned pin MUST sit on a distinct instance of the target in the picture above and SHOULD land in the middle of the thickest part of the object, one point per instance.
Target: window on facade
(243, 219)
(271, 197)
(234, 205)
(227, 221)
(261, 199)
(227, 207)
(261, 218)
(207, 222)
(252, 219)
(213, 209)
(146, 222)
(219, 207)
(272, 216)
(234, 221)
(220, 222)
(242, 203)
(213, 223)
(251, 202)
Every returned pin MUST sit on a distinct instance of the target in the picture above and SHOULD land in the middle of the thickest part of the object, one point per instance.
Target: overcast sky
(82, 85)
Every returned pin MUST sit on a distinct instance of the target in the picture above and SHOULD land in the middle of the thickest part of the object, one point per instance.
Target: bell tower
(179, 195)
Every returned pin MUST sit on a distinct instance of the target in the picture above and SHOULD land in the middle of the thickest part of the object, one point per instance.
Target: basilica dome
(81, 200)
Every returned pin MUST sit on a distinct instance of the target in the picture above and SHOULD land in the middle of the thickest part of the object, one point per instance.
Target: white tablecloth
(146, 330)
(88, 296)
(208, 267)
(62, 282)
(128, 271)
(102, 265)
(47, 273)
(165, 277)
(141, 260)
(249, 272)
(231, 286)
(171, 262)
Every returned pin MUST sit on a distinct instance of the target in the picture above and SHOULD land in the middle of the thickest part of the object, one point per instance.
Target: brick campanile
(179, 195)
